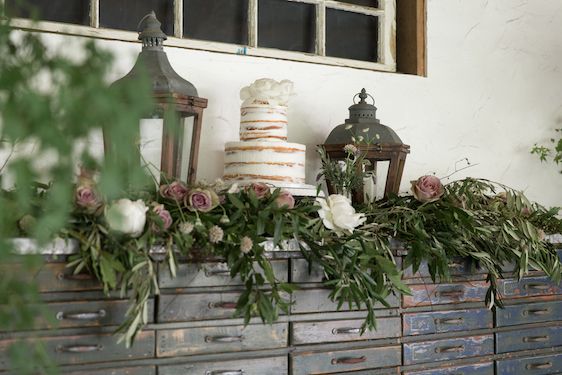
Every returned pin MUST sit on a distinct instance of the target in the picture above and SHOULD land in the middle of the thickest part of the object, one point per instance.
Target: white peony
(127, 217)
(338, 214)
(267, 91)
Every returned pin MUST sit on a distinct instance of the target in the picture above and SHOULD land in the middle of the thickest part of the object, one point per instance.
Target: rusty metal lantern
(181, 132)
(387, 146)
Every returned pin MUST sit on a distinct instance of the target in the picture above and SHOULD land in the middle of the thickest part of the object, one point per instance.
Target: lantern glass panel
(150, 145)
(186, 149)
(381, 176)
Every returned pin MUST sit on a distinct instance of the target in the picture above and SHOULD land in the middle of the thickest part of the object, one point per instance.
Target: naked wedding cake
(263, 153)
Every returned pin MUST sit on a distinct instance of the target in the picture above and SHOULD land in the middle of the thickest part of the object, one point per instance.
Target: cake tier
(269, 162)
(263, 123)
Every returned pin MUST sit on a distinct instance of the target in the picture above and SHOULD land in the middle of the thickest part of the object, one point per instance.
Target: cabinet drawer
(531, 338)
(343, 330)
(317, 300)
(200, 340)
(345, 360)
(446, 321)
(56, 277)
(190, 275)
(300, 272)
(479, 369)
(457, 267)
(529, 286)
(69, 350)
(442, 350)
(261, 366)
(529, 313)
(90, 313)
(196, 306)
(436, 294)
(145, 370)
(541, 365)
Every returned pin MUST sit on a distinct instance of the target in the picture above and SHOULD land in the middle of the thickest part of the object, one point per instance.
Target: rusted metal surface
(530, 338)
(435, 294)
(536, 365)
(261, 366)
(448, 349)
(529, 313)
(478, 369)
(529, 286)
(446, 321)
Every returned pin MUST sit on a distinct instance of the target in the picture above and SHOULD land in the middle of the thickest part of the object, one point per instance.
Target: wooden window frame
(405, 42)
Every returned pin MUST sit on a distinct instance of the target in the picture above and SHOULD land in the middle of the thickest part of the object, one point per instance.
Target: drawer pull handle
(537, 366)
(224, 339)
(81, 315)
(346, 331)
(216, 272)
(537, 286)
(79, 348)
(450, 349)
(348, 360)
(78, 277)
(537, 312)
(222, 305)
(449, 293)
(456, 265)
(225, 372)
(449, 321)
(535, 338)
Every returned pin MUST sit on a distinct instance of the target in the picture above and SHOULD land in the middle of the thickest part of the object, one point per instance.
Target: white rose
(127, 217)
(338, 214)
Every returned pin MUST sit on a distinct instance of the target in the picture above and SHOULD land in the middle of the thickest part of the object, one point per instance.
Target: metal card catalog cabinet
(443, 328)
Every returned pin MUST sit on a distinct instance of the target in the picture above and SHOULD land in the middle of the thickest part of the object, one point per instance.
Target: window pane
(126, 14)
(366, 3)
(351, 35)
(68, 11)
(286, 25)
(218, 20)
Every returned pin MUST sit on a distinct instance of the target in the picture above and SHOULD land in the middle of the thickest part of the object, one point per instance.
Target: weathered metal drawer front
(89, 348)
(436, 294)
(533, 338)
(90, 313)
(261, 366)
(345, 360)
(457, 267)
(56, 277)
(300, 274)
(529, 286)
(145, 370)
(196, 306)
(211, 274)
(190, 341)
(446, 321)
(442, 350)
(317, 300)
(529, 313)
(479, 369)
(343, 330)
(542, 365)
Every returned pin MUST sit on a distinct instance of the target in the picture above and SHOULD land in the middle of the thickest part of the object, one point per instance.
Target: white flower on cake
(267, 91)
(338, 214)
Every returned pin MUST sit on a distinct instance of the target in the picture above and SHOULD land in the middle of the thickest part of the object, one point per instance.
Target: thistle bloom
(216, 234)
(185, 227)
(246, 244)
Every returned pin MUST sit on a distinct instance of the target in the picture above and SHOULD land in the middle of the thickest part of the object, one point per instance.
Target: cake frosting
(263, 153)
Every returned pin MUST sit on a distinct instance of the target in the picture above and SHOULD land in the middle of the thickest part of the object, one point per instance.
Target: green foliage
(343, 175)
(555, 152)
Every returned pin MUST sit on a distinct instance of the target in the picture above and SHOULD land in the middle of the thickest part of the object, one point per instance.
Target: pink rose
(86, 198)
(285, 199)
(427, 189)
(176, 190)
(260, 189)
(201, 200)
(164, 215)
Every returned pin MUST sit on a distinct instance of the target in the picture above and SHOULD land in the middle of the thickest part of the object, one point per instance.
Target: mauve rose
(176, 190)
(261, 189)
(201, 200)
(286, 200)
(87, 198)
(427, 189)
(164, 215)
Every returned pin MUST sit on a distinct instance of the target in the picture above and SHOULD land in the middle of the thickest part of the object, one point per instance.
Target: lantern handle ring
(363, 95)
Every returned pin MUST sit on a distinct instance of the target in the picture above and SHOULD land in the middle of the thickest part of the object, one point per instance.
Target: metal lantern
(180, 132)
(385, 146)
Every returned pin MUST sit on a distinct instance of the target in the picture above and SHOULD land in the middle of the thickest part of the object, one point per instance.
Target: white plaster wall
(494, 88)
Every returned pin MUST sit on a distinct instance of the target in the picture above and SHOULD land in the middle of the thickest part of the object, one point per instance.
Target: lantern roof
(153, 62)
(363, 122)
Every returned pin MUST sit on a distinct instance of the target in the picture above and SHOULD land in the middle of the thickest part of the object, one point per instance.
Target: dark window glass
(218, 20)
(286, 25)
(67, 11)
(351, 35)
(126, 14)
(365, 3)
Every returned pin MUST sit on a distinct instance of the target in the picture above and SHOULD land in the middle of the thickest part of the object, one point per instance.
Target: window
(354, 33)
